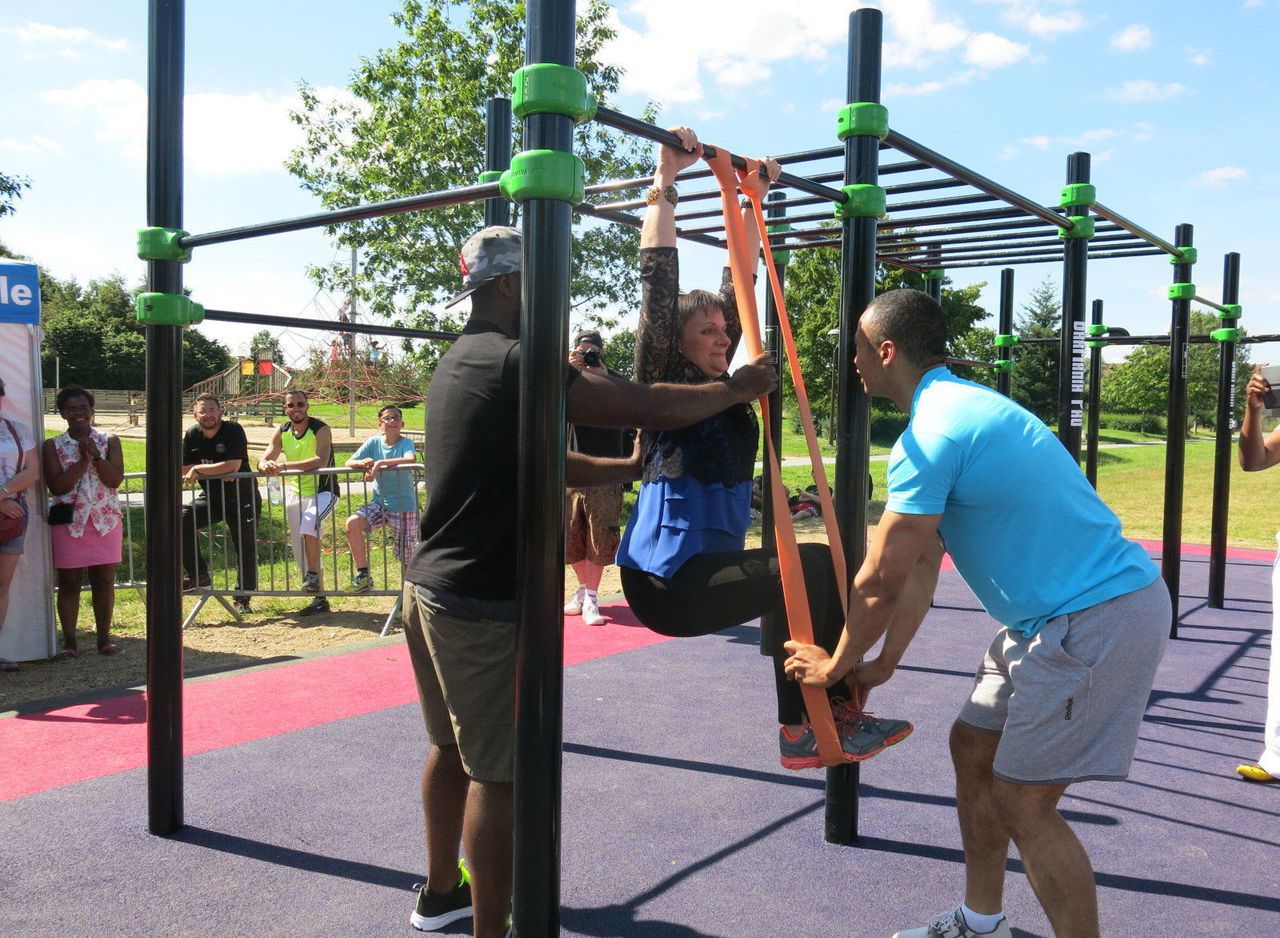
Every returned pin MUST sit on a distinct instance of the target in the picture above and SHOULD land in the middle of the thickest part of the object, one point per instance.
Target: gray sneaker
(857, 742)
(362, 583)
(893, 731)
(311, 582)
(953, 925)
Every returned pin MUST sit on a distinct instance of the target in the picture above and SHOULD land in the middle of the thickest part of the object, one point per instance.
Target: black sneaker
(241, 605)
(315, 607)
(435, 910)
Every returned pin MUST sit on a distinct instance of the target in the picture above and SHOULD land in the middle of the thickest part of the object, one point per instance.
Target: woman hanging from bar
(685, 569)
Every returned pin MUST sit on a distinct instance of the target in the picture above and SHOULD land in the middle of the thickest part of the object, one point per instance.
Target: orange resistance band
(796, 596)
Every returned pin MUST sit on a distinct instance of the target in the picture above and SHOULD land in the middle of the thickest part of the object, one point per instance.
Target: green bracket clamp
(1006, 340)
(1225, 335)
(938, 274)
(863, 200)
(1184, 256)
(167, 309)
(489, 175)
(1182, 291)
(547, 88)
(545, 174)
(1002, 366)
(862, 119)
(1096, 328)
(1229, 311)
(1082, 226)
(161, 244)
(1094, 343)
(1078, 193)
(780, 258)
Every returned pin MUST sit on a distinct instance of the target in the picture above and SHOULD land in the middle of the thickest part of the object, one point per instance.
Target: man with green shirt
(301, 444)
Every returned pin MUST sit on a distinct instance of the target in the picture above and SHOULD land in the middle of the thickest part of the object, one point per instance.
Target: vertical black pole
(1004, 379)
(772, 342)
(857, 290)
(497, 155)
(544, 335)
(1222, 443)
(1176, 437)
(164, 427)
(1071, 349)
(1095, 398)
(933, 283)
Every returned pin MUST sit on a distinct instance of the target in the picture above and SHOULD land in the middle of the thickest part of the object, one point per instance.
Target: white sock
(589, 593)
(979, 922)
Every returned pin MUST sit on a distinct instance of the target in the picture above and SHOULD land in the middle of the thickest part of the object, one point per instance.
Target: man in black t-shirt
(211, 449)
(460, 587)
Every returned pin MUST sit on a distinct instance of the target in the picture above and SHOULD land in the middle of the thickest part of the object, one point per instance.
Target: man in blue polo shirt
(1060, 693)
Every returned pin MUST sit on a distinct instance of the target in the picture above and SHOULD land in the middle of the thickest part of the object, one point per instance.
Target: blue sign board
(19, 292)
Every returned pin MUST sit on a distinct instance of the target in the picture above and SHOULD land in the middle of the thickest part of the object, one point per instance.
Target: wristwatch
(666, 192)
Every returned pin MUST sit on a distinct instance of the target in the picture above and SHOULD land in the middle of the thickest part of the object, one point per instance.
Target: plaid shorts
(403, 525)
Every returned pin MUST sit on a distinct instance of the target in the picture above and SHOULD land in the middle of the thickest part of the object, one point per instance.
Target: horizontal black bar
(949, 249)
(1141, 232)
(408, 203)
(910, 147)
(360, 328)
(924, 221)
(1148, 339)
(924, 185)
(639, 128)
(994, 237)
(631, 221)
(1013, 225)
(1146, 252)
(944, 202)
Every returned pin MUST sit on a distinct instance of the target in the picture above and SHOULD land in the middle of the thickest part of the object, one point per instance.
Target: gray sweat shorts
(1068, 702)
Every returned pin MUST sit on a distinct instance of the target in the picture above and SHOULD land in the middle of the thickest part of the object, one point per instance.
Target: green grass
(338, 415)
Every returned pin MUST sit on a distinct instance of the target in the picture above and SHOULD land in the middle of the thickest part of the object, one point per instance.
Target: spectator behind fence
(1259, 451)
(395, 498)
(591, 515)
(83, 467)
(306, 443)
(18, 470)
(211, 449)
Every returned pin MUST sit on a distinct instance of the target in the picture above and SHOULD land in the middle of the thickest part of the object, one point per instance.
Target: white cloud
(36, 145)
(1199, 57)
(1220, 177)
(1038, 142)
(1143, 131)
(917, 35)
(1132, 38)
(36, 33)
(988, 51)
(224, 134)
(1144, 90)
(1047, 20)
(899, 90)
(1043, 142)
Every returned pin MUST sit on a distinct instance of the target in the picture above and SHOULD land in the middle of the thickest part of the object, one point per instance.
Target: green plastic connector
(1078, 193)
(1006, 340)
(863, 201)
(547, 88)
(1094, 343)
(489, 175)
(780, 258)
(862, 119)
(1184, 256)
(1229, 311)
(545, 174)
(1225, 335)
(1002, 366)
(1082, 226)
(167, 309)
(1182, 291)
(161, 244)
(1096, 329)
(935, 274)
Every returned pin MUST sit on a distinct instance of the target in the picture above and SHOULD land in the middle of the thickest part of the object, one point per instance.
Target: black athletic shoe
(315, 607)
(435, 910)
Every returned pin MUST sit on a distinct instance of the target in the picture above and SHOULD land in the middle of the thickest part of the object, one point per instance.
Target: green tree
(264, 345)
(418, 126)
(1035, 369)
(10, 191)
(620, 352)
(1140, 384)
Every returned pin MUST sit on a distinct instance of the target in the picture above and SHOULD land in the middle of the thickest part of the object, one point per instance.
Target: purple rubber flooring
(678, 821)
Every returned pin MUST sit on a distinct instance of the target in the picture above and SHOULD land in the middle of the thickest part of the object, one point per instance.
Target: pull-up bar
(360, 328)
(1135, 228)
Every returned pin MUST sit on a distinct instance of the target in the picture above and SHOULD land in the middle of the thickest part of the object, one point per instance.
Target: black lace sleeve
(658, 355)
(732, 322)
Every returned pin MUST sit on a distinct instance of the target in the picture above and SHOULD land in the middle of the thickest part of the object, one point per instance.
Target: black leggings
(711, 592)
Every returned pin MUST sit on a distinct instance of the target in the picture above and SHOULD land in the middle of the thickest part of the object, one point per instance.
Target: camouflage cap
(489, 253)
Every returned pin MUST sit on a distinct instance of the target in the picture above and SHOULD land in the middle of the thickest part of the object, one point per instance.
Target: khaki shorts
(1069, 701)
(465, 670)
(591, 524)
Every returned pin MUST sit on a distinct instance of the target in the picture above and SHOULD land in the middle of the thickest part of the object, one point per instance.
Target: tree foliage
(10, 191)
(1140, 384)
(265, 345)
(1035, 370)
(417, 124)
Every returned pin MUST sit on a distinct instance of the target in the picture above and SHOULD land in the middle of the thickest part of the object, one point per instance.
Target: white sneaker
(953, 925)
(591, 611)
(574, 606)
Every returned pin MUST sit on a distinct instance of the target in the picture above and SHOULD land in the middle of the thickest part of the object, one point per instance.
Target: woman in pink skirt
(83, 467)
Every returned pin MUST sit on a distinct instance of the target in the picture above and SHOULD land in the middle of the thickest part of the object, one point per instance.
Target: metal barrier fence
(276, 572)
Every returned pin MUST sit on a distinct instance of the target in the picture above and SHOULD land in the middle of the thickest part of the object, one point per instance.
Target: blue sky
(1176, 104)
